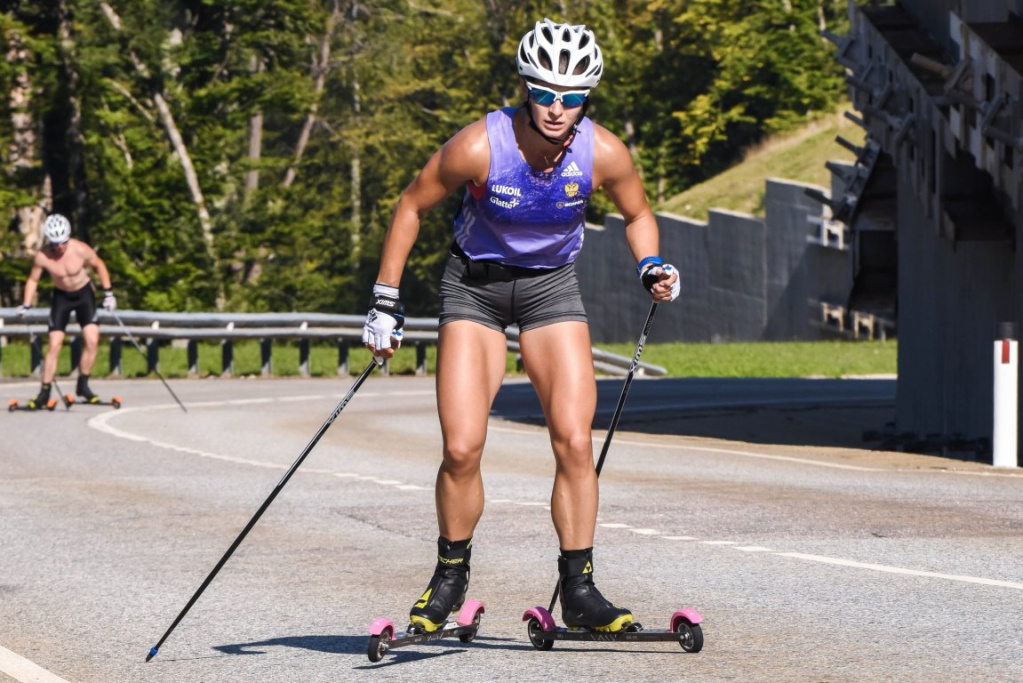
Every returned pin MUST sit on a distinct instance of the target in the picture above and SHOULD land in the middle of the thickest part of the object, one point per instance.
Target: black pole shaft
(618, 411)
(262, 508)
(146, 356)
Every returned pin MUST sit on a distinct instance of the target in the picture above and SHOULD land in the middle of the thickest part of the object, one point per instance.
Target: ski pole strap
(647, 262)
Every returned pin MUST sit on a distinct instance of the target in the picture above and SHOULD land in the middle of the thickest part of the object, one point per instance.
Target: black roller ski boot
(447, 588)
(84, 391)
(582, 605)
(41, 399)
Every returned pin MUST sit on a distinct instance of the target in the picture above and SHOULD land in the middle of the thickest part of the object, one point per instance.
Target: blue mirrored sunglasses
(545, 97)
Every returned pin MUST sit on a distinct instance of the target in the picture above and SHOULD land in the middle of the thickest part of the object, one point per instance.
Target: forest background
(245, 155)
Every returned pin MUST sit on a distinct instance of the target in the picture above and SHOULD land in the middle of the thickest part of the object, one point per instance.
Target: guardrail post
(153, 351)
(115, 356)
(266, 353)
(342, 357)
(420, 359)
(227, 355)
(75, 348)
(303, 352)
(36, 356)
(192, 351)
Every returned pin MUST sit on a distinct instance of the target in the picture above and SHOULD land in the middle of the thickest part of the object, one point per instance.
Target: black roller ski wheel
(535, 631)
(467, 637)
(377, 648)
(690, 636)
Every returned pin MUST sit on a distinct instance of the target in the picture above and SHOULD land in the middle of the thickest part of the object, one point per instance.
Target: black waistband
(492, 270)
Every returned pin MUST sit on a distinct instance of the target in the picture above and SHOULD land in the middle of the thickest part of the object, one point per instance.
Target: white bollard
(1004, 435)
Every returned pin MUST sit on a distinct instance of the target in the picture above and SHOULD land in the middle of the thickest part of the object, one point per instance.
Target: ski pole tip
(152, 653)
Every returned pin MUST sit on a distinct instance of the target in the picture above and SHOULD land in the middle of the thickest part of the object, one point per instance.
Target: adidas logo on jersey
(572, 171)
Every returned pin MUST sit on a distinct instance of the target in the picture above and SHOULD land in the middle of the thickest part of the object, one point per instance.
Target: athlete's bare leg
(559, 363)
(52, 355)
(471, 361)
(90, 335)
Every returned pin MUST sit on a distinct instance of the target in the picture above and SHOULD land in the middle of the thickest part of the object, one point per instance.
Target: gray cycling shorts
(498, 296)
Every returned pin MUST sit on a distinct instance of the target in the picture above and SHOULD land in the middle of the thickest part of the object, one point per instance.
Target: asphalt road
(810, 557)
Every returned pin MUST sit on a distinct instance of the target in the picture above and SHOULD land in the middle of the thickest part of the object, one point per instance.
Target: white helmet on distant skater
(57, 229)
(560, 54)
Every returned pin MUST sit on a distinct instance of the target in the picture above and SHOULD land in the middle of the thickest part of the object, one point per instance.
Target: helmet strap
(563, 142)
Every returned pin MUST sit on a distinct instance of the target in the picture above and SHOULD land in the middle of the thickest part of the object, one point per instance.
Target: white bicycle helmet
(560, 54)
(57, 229)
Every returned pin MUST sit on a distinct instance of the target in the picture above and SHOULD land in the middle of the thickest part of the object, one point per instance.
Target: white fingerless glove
(23, 309)
(109, 300)
(385, 318)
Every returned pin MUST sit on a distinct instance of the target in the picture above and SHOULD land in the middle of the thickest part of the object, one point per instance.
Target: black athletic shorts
(497, 296)
(81, 301)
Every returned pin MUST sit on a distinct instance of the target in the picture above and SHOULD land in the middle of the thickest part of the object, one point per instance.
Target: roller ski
(31, 405)
(431, 617)
(40, 401)
(683, 629)
(86, 397)
(115, 401)
(464, 627)
(588, 615)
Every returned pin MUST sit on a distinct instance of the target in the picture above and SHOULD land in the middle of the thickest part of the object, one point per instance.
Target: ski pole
(262, 508)
(63, 398)
(139, 348)
(618, 412)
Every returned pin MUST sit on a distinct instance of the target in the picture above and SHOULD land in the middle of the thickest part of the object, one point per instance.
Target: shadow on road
(349, 645)
(803, 412)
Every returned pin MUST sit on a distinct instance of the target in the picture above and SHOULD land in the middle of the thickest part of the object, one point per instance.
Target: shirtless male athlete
(65, 259)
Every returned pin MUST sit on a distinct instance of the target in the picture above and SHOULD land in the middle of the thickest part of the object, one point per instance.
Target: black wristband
(390, 305)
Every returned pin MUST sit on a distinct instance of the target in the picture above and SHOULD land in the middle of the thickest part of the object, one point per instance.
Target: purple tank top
(524, 217)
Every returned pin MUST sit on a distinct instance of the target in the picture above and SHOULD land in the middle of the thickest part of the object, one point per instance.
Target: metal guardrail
(155, 327)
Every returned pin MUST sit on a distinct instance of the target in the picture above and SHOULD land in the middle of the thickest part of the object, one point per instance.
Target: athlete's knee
(462, 458)
(574, 452)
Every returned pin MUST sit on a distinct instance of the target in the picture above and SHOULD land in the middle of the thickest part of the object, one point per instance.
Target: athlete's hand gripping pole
(618, 411)
(259, 513)
(128, 332)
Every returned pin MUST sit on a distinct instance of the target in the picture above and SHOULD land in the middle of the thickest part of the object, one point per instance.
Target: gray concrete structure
(744, 278)
(940, 89)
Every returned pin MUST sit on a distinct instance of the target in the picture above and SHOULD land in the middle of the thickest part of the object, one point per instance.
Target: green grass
(797, 156)
(761, 359)
(769, 359)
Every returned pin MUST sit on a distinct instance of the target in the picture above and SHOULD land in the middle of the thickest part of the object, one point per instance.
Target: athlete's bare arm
(614, 171)
(463, 158)
(32, 283)
(91, 258)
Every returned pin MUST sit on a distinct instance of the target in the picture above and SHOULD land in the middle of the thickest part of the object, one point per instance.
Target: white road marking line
(783, 458)
(899, 570)
(24, 670)
(100, 424)
(753, 549)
